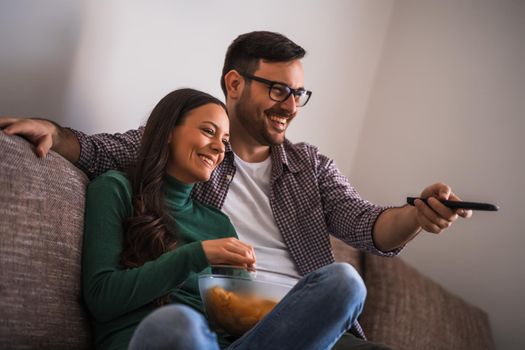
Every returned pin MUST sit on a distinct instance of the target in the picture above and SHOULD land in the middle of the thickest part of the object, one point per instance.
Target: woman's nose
(218, 146)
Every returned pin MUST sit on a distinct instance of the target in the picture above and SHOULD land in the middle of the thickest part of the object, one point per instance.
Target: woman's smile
(208, 160)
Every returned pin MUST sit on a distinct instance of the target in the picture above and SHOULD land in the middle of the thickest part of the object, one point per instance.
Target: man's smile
(278, 119)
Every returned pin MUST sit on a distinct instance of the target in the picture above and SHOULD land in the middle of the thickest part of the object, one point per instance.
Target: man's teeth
(207, 160)
(278, 119)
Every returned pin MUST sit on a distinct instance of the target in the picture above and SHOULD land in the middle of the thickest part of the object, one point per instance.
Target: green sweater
(119, 298)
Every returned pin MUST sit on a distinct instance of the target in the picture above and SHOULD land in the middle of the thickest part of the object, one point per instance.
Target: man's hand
(435, 217)
(44, 135)
(397, 226)
(39, 132)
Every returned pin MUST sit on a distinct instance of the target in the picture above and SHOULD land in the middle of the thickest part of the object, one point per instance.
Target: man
(284, 199)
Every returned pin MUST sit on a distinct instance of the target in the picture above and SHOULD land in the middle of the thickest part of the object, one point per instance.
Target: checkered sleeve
(349, 217)
(102, 152)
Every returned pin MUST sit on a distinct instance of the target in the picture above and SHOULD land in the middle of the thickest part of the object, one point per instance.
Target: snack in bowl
(236, 313)
(235, 300)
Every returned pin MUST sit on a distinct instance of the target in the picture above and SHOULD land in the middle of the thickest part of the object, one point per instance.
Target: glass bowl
(235, 300)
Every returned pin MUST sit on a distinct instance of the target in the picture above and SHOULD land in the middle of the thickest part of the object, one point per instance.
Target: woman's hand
(229, 251)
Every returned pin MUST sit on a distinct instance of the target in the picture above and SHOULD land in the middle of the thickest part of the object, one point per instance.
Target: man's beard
(258, 127)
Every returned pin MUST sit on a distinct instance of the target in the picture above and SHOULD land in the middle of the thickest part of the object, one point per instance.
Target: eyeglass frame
(271, 83)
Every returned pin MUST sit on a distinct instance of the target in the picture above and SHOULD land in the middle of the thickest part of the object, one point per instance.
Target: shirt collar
(285, 155)
(282, 155)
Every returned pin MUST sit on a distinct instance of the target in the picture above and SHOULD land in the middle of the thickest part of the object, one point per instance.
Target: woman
(145, 238)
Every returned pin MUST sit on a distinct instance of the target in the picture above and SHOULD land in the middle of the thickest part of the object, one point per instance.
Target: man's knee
(346, 281)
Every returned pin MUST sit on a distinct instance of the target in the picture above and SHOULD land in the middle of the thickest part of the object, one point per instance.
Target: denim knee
(346, 283)
(177, 316)
(174, 327)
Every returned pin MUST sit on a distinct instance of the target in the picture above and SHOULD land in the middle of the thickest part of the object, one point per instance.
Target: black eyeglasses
(280, 92)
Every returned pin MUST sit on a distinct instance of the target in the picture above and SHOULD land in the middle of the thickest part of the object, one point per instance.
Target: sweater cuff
(194, 253)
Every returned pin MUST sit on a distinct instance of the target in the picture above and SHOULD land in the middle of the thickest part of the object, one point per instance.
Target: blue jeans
(313, 315)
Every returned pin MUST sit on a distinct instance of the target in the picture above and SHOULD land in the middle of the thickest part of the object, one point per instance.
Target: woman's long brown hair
(150, 231)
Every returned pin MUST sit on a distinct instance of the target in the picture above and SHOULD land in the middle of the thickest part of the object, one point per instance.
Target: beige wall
(448, 104)
(405, 93)
(130, 54)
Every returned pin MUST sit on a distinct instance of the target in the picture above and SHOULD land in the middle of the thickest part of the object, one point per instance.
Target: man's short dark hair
(247, 49)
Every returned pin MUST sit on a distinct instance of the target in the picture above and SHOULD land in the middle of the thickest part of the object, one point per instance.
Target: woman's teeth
(207, 160)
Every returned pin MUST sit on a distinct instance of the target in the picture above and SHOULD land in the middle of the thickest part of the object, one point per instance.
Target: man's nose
(289, 104)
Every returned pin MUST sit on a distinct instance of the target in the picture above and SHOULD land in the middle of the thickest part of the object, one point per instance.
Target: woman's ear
(234, 84)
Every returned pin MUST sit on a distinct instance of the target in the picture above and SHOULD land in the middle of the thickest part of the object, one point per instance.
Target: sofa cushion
(41, 226)
(344, 253)
(407, 310)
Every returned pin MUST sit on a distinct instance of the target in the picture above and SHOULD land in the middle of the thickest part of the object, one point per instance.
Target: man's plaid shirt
(309, 197)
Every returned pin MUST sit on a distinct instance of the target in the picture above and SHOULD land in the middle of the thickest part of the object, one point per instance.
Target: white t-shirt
(248, 206)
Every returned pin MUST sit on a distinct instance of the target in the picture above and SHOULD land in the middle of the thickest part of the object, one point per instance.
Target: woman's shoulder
(111, 180)
(111, 176)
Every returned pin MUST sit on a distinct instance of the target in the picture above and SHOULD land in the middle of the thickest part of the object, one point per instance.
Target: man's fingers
(21, 127)
(44, 145)
(439, 190)
(6, 121)
(10, 129)
(431, 218)
(464, 213)
(444, 191)
(42, 140)
(454, 197)
(429, 227)
(442, 210)
(435, 216)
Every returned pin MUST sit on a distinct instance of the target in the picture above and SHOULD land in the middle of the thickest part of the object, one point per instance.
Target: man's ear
(234, 84)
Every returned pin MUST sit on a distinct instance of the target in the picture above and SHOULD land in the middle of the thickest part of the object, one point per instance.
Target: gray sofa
(41, 224)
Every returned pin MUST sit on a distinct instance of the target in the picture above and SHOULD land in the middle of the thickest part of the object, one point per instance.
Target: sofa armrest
(41, 228)
(406, 310)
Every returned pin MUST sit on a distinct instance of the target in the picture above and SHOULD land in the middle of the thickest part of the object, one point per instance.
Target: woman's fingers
(240, 250)
(229, 251)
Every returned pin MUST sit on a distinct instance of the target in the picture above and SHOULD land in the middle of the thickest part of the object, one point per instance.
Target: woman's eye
(226, 142)
(208, 131)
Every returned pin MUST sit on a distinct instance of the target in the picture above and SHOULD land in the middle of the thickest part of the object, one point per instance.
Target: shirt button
(229, 177)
